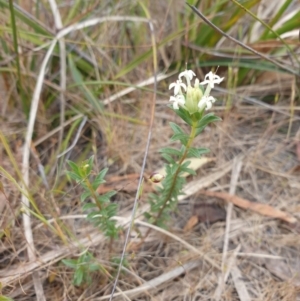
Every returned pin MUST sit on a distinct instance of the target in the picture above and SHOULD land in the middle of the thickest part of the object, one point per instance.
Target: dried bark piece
(262, 209)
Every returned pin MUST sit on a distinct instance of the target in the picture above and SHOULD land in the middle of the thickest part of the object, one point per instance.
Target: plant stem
(188, 146)
(94, 196)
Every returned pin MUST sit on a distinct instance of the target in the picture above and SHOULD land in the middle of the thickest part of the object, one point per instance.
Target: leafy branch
(100, 210)
(189, 103)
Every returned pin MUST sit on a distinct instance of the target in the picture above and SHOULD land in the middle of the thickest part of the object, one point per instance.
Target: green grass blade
(77, 77)
(27, 19)
(25, 103)
(279, 14)
(289, 25)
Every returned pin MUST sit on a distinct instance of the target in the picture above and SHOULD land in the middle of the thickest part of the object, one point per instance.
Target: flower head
(191, 97)
(206, 102)
(177, 100)
(177, 87)
(188, 74)
(211, 79)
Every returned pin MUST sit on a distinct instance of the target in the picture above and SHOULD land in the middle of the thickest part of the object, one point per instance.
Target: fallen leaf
(191, 223)
(262, 209)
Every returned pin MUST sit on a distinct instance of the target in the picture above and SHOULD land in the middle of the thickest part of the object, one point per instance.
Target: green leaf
(184, 115)
(74, 176)
(88, 206)
(173, 168)
(3, 298)
(183, 138)
(77, 77)
(111, 211)
(85, 195)
(105, 198)
(71, 263)
(95, 216)
(168, 158)
(91, 161)
(188, 170)
(176, 128)
(94, 267)
(74, 167)
(147, 215)
(199, 131)
(197, 115)
(206, 119)
(197, 152)
(78, 277)
(171, 151)
(99, 178)
(185, 164)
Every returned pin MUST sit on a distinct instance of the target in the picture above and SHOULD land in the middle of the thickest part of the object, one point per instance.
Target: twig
(154, 283)
(237, 165)
(144, 160)
(76, 138)
(63, 67)
(239, 284)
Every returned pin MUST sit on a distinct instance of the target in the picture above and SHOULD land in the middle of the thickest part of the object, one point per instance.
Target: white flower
(206, 101)
(177, 100)
(177, 87)
(211, 79)
(188, 74)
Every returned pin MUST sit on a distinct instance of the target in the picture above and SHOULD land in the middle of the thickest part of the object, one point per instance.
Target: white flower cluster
(192, 98)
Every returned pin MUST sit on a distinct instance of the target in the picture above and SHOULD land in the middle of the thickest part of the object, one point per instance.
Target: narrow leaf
(171, 151)
(196, 152)
(184, 115)
(176, 128)
(85, 195)
(99, 178)
(74, 176)
(74, 167)
(206, 119)
(168, 158)
(183, 138)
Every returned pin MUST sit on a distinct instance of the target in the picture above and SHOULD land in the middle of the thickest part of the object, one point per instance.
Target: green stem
(94, 196)
(188, 146)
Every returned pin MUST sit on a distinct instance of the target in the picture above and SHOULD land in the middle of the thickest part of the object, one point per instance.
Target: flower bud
(156, 177)
(193, 95)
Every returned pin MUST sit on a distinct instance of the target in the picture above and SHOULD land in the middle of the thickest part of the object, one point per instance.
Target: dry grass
(260, 260)
(268, 256)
